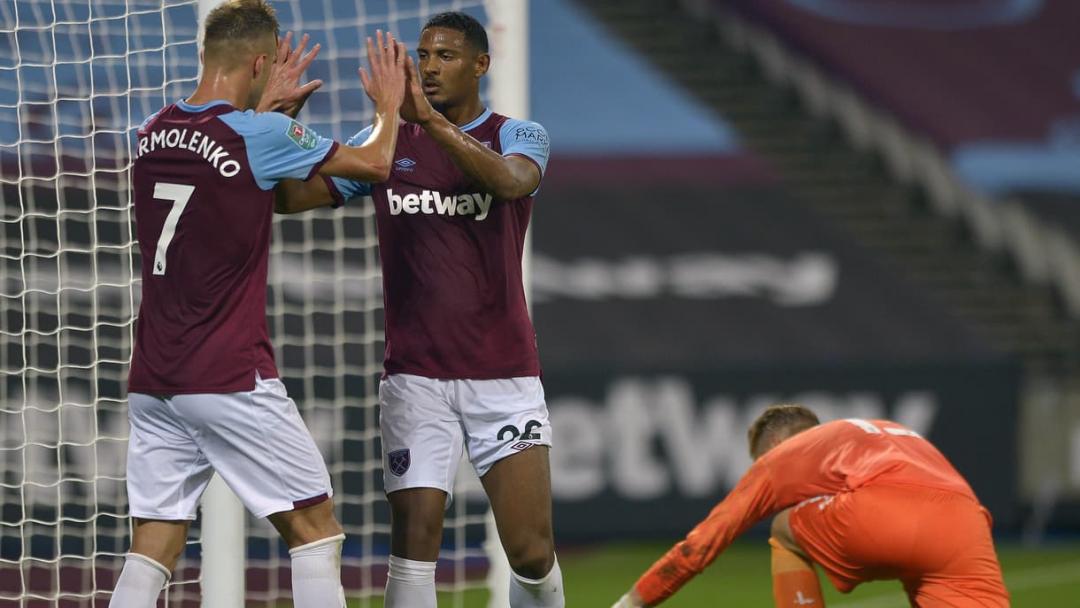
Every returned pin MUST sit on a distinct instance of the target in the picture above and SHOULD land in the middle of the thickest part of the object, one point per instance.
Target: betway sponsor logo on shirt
(430, 202)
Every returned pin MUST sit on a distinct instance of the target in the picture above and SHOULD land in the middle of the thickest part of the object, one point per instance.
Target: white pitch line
(1032, 578)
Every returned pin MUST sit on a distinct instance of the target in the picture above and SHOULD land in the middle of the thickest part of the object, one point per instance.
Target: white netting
(76, 79)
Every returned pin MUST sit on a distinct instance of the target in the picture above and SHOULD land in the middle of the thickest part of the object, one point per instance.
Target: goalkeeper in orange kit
(863, 499)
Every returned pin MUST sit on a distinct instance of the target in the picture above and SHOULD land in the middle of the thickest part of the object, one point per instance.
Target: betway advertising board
(670, 314)
(632, 446)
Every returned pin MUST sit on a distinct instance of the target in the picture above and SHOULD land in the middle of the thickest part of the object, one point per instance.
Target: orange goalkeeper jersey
(827, 459)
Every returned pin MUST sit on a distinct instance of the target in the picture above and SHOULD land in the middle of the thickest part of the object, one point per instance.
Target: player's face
(450, 68)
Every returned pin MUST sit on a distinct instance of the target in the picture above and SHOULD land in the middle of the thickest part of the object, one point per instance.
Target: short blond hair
(236, 26)
(776, 423)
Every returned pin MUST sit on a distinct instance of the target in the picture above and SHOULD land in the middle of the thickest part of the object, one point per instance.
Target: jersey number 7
(179, 194)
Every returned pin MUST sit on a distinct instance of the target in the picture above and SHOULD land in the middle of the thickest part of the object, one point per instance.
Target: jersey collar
(479, 120)
(193, 109)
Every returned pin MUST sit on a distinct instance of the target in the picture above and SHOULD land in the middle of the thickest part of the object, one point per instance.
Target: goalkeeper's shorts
(937, 543)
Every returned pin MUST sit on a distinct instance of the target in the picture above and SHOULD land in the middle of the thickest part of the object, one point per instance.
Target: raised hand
(283, 92)
(385, 83)
(416, 107)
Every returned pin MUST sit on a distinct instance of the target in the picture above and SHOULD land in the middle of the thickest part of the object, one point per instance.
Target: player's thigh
(828, 529)
(881, 532)
(421, 434)
(161, 541)
(503, 418)
(416, 522)
(166, 470)
(956, 563)
(519, 489)
(508, 435)
(259, 444)
(962, 593)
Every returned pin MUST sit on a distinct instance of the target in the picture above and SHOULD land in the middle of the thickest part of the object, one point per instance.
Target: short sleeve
(278, 147)
(347, 188)
(526, 138)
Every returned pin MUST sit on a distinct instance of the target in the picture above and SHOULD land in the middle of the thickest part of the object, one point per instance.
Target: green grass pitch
(1046, 577)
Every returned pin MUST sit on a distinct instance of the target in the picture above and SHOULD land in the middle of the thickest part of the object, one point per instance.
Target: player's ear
(261, 63)
(483, 63)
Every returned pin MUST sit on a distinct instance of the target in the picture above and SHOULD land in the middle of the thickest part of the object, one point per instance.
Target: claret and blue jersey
(451, 254)
(203, 182)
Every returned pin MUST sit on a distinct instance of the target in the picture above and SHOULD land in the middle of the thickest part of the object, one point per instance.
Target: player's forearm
(676, 568)
(484, 166)
(370, 161)
(294, 196)
(688, 558)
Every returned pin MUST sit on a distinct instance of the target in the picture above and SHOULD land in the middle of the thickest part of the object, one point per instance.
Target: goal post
(508, 31)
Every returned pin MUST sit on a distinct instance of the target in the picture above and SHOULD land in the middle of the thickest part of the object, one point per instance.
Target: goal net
(76, 79)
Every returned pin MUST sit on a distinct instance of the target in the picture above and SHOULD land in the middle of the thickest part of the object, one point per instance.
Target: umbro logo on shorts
(522, 445)
(525, 433)
(399, 461)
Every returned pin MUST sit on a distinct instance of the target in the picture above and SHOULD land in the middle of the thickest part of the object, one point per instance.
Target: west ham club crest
(399, 461)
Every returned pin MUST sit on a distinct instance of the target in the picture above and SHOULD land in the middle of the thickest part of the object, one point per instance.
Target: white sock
(140, 583)
(316, 574)
(410, 584)
(546, 592)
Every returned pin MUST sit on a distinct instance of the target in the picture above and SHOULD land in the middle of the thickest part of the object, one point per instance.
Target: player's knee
(416, 523)
(161, 541)
(168, 556)
(312, 531)
(781, 534)
(776, 528)
(306, 525)
(420, 529)
(781, 531)
(530, 555)
(416, 535)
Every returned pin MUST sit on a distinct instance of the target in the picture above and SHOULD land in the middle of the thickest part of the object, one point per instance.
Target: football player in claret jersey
(863, 499)
(204, 393)
(461, 362)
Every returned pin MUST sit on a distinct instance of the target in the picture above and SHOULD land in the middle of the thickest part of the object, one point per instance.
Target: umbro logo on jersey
(405, 164)
(430, 202)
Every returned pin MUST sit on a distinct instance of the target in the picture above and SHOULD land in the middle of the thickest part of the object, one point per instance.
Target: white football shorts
(255, 440)
(426, 423)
